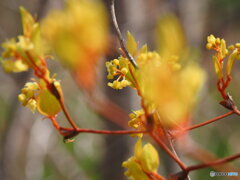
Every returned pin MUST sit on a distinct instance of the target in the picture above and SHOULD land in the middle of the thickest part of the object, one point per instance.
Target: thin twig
(209, 121)
(212, 163)
(183, 174)
(122, 43)
(119, 132)
(69, 118)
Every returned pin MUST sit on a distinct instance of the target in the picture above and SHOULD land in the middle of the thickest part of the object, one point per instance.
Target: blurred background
(31, 149)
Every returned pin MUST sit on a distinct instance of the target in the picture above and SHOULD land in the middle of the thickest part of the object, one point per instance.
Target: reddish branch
(120, 132)
(212, 163)
(183, 174)
(69, 118)
(67, 131)
(209, 121)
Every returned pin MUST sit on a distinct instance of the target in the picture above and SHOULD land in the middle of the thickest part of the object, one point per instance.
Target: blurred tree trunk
(116, 146)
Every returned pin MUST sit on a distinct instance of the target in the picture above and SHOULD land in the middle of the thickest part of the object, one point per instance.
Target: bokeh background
(30, 149)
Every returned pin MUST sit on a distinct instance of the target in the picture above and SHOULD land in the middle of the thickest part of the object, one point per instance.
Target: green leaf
(47, 104)
(131, 44)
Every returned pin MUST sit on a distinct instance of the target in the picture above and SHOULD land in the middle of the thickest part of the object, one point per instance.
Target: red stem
(81, 130)
(157, 176)
(213, 163)
(209, 121)
(69, 118)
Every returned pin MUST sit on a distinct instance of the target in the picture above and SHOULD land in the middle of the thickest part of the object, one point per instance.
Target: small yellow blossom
(32, 105)
(119, 68)
(219, 45)
(27, 97)
(14, 66)
(137, 121)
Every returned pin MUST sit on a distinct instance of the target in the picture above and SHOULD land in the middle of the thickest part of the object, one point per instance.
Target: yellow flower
(120, 68)
(137, 121)
(32, 105)
(219, 45)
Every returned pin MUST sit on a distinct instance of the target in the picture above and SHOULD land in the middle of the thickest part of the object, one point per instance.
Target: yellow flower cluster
(145, 161)
(118, 67)
(36, 95)
(15, 55)
(214, 43)
(137, 121)
(167, 86)
(219, 45)
(28, 95)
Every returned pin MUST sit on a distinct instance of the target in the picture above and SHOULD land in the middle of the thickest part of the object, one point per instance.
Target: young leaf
(27, 22)
(131, 44)
(47, 104)
(149, 158)
(231, 61)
